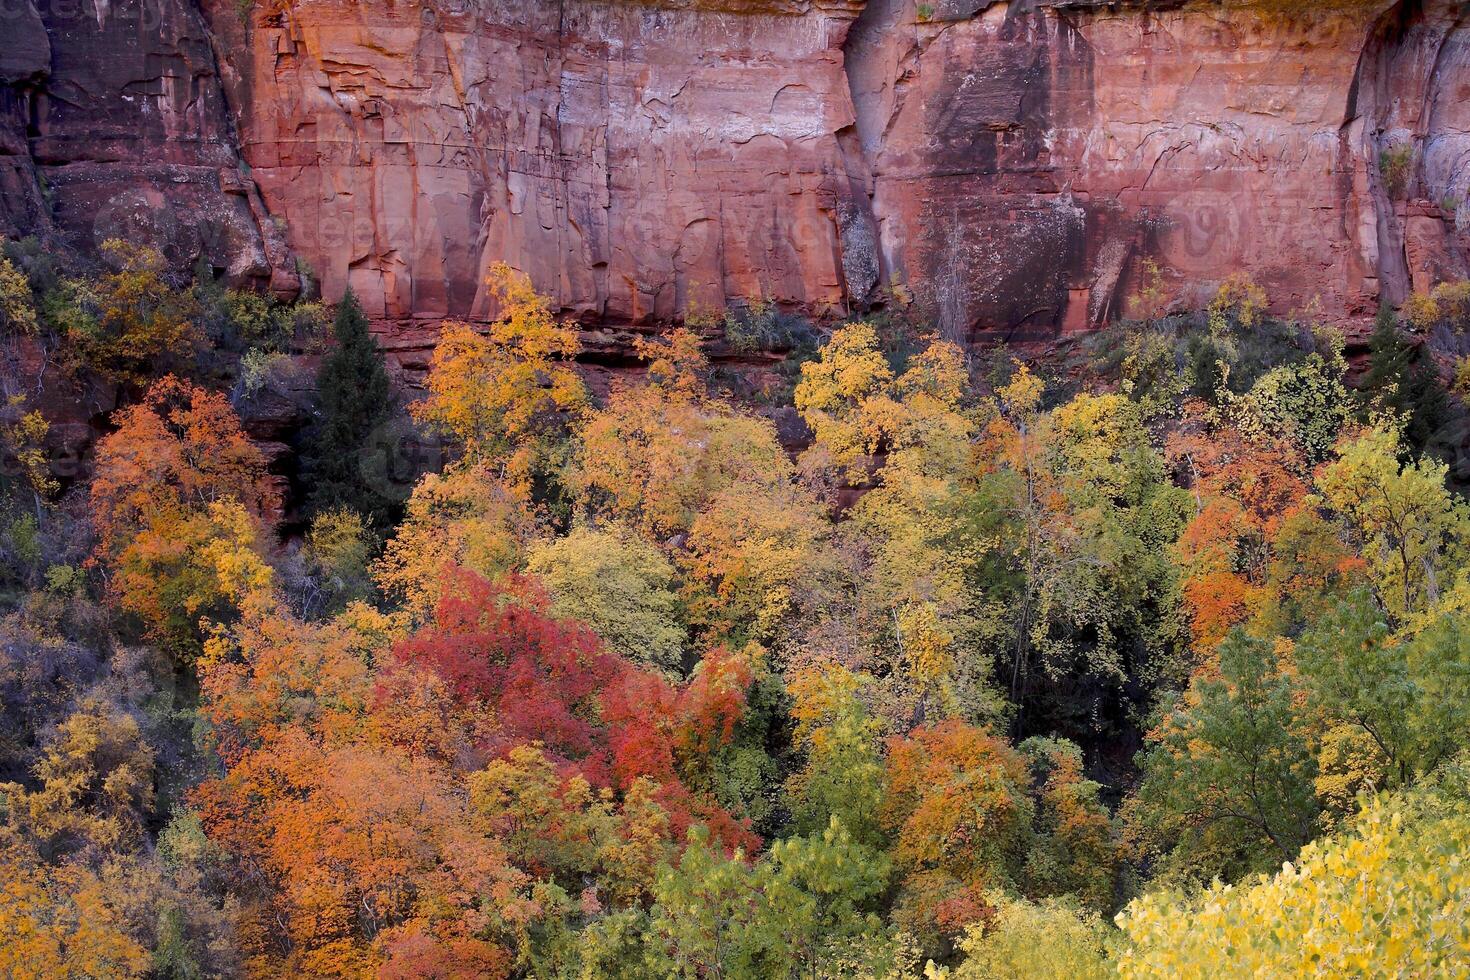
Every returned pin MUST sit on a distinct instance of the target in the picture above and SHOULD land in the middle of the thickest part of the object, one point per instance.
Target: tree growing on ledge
(1401, 379)
(355, 400)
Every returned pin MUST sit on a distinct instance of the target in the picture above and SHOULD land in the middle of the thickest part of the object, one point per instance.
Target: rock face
(25, 60)
(633, 159)
(1027, 160)
(1013, 166)
(113, 124)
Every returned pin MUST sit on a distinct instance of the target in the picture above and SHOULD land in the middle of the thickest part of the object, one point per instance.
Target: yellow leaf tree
(661, 451)
(506, 395)
(1389, 899)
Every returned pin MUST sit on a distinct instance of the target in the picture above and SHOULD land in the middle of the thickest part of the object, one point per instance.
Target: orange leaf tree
(179, 487)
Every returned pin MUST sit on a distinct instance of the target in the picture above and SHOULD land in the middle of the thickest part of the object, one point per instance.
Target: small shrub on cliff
(1395, 164)
(1239, 302)
(41, 266)
(1152, 299)
(258, 321)
(762, 326)
(23, 435)
(309, 326)
(235, 319)
(1217, 357)
(264, 371)
(1448, 304)
(1462, 377)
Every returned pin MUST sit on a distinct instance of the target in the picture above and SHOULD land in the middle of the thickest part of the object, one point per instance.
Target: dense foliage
(1149, 659)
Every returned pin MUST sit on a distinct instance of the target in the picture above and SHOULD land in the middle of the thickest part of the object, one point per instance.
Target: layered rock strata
(1013, 167)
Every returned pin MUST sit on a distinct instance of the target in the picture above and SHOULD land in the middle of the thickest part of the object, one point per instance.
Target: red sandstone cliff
(1011, 164)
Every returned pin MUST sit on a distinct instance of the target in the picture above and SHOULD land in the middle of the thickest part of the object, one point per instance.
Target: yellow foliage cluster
(618, 584)
(1449, 301)
(820, 694)
(17, 309)
(912, 523)
(506, 394)
(657, 455)
(1093, 436)
(128, 321)
(754, 554)
(1032, 940)
(1390, 900)
(927, 645)
(467, 516)
(1412, 530)
(96, 783)
(845, 396)
(23, 437)
(57, 923)
(1238, 299)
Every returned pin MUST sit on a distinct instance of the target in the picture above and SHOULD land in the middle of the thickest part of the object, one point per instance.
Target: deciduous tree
(128, 325)
(465, 517)
(956, 802)
(660, 452)
(177, 497)
(57, 923)
(621, 586)
(1410, 530)
(846, 397)
(1228, 781)
(508, 395)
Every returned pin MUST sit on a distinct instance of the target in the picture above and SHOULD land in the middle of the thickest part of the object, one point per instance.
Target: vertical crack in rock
(1414, 143)
(870, 53)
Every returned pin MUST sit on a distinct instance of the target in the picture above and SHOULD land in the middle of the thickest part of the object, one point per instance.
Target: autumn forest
(785, 649)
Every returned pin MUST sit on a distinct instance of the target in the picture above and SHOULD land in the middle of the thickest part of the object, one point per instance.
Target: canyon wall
(1011, 166)
(113, 124)
(632, 159)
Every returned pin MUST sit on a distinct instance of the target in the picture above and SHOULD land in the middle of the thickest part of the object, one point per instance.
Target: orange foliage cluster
(1253, 541)
(350, 770)
(178, 473)
(957, 803)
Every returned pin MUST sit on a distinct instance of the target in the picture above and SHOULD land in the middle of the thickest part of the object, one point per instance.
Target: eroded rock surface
(633, 159)
(1027, 159)
(113, 124)
(1011, 165)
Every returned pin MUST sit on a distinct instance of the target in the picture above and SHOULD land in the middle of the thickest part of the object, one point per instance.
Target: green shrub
(1395, 165)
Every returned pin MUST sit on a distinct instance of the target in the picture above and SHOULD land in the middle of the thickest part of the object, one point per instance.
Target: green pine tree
(355, 400)
(1402, 379)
